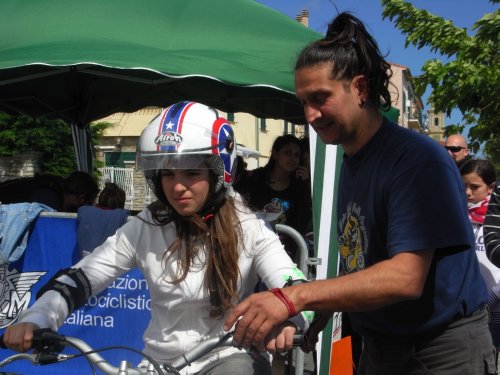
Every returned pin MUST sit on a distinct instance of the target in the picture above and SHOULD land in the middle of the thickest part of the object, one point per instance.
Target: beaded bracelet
(283, 298)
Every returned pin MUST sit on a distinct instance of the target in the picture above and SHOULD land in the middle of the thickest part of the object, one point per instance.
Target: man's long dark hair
(351, 51)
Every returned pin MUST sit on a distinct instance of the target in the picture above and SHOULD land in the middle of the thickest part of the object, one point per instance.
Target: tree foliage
(469, 79)
(21, 133)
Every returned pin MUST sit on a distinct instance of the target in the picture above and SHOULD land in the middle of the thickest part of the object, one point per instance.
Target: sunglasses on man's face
(454, 148)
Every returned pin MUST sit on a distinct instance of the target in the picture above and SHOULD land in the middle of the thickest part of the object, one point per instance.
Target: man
(457, 148)
(409, 277)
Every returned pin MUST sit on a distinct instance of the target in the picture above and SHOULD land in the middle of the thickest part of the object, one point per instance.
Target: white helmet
(188, 135)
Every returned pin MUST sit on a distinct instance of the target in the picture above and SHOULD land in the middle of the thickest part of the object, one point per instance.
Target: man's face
(457, 147)
(331, 106)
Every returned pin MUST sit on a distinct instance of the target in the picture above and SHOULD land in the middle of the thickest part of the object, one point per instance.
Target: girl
(280, 189)
(479, 179)
(199, 248)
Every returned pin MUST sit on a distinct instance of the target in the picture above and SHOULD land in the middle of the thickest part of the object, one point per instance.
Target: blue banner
(116, 317)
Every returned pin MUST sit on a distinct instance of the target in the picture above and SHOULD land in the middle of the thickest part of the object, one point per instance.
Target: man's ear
(360, 85)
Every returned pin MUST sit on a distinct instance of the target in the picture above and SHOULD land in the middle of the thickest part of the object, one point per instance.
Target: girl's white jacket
(180, 312)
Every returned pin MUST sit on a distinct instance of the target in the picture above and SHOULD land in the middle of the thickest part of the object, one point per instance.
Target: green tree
(21, 133)
(469, 79)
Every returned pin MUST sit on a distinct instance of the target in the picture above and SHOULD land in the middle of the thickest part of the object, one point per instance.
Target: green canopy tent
(392, 114)
(81, 61)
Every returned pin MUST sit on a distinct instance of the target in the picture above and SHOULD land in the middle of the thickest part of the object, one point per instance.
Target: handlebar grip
(43, 340)
(47, 340)
(298, 339)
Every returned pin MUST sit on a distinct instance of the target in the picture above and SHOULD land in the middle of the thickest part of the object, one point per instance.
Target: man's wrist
(286, 301)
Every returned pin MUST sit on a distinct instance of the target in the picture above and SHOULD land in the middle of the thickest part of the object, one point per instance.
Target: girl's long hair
(220, 234)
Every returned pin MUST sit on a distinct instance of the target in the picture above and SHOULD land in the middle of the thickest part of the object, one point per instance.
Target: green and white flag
(325, 169)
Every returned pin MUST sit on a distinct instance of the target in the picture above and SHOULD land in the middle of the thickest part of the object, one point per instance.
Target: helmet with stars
(188, 135)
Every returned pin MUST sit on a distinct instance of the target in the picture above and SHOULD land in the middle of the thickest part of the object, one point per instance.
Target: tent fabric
(392, 114)
(81, 61)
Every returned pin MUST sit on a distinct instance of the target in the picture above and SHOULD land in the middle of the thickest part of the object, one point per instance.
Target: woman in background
(280, 189)
(479, 179)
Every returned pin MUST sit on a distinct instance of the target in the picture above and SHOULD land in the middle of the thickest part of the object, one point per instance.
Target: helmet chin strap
(208, 211)
(207, 217)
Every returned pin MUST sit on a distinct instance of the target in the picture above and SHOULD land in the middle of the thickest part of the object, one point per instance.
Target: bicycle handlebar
(50, 343)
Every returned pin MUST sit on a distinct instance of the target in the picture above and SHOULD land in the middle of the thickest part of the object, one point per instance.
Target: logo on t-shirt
(352, 239)
(275, 210)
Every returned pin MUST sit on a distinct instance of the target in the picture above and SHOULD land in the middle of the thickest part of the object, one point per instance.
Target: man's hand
(18, 337)
(258, 315)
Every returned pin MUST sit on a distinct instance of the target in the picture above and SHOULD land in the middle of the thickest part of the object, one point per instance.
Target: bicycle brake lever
(30, 357)
(48, 358)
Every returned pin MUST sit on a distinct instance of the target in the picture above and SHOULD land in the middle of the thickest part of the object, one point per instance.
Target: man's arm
(397, 279)
(491, 228)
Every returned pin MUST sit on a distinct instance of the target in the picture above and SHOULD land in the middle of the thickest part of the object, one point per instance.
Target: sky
(391, 41)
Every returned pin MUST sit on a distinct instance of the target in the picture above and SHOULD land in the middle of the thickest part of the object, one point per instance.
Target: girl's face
(288, 157)
(186, 189)
(475, 188)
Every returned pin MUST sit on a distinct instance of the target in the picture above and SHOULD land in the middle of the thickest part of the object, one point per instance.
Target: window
(118, 159)
(436, 121)
(230, 117)
(263, 127)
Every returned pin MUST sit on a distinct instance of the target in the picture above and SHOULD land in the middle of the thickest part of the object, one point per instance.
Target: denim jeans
(16, 220)
(464, 348)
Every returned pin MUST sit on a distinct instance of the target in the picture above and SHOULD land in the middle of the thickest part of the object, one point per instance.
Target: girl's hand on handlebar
(281, 338)
(311, 337)
(19, 336)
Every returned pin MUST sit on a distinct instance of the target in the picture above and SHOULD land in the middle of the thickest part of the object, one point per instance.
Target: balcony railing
(414, 120)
